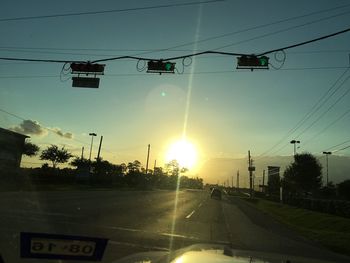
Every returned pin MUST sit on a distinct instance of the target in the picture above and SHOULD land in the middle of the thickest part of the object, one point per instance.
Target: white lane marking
(190, 214)
(200, 205)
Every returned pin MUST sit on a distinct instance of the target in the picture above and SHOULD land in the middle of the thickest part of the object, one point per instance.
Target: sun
(184, 152)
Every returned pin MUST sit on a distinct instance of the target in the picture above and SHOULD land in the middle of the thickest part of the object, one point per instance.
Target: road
(136, 221)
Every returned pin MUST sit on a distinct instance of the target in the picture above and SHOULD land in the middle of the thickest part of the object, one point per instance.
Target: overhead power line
(49, 129)
(312, 111)
(192, 73)
(176, 57)
(282, 30)
(23, 18)
(335, 146)
(342, 149)
(328, 109)
(327, 127)
(306, 42)
(258, 27)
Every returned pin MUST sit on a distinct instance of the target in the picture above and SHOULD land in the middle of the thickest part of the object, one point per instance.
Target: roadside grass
(330, 231)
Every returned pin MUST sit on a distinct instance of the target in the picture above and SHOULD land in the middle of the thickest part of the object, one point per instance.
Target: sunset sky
(222, 110)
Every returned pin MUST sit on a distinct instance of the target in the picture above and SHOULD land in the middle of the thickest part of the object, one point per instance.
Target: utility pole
(99, 149)
(263, 183)
(237, 183)
(327, 153)
(251, 168)
(155, 165)
(232, 181)
(149, 147)
(82, 152)
(294, 142)
(92, 134)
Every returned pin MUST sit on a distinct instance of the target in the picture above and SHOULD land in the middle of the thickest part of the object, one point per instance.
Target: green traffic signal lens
(167, 66)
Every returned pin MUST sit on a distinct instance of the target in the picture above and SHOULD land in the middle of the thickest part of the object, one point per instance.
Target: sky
(222, 110)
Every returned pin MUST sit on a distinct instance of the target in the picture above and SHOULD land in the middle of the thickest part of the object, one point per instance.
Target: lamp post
(294, 142)
(327, 153)
(92, 134)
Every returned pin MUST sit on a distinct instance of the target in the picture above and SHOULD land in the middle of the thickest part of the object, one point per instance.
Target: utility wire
(49, 129)
(177, 57)
(341, 149)
(281, 31)
(329, 108)
(315, 121)
(337, 145)
(108, 11)
(306, 42)
(305, 118)
(256, 27)
(52, 130)
(39, 60)
(327, 127)
(228, 34)
(322, 101)
(194, 73)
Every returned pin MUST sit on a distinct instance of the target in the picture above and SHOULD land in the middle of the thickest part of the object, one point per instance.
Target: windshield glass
(138, 126)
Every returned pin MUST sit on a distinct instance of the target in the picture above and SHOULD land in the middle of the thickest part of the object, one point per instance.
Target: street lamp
(92, 134)
(294, 142)
(327, 153)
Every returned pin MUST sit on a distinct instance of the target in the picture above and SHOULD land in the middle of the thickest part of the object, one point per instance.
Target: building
(11, 149)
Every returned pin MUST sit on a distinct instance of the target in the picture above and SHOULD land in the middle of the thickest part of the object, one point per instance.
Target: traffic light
(87, 68)
(252, 62)
(158, 66)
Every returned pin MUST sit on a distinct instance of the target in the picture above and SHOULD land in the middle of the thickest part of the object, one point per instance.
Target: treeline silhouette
(102, 173)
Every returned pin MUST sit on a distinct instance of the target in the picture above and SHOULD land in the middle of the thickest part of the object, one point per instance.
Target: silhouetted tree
(303, 175)
(173, 168)
(328, 191)
(133, 167)
(30, 149)
(55, 155)
(344, 189)
(79, 162)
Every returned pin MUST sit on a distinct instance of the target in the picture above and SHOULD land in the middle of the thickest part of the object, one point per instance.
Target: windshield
(138, 126)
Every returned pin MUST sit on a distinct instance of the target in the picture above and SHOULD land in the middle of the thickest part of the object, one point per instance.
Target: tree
(30, 149)
(344, 189)
(173, 167)
(133, 167)
(79, 162)
(55, 155)
(303, 175)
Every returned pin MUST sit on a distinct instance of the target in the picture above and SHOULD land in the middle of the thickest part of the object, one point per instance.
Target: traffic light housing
(159, 66)
(252, 62)
(87, 68)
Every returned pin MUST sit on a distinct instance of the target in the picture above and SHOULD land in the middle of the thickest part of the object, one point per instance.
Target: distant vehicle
(215, 193)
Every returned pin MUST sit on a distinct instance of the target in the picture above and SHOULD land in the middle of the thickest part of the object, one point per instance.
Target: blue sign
(53, 246)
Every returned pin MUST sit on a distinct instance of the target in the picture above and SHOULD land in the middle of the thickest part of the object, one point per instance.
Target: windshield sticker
(53, 246)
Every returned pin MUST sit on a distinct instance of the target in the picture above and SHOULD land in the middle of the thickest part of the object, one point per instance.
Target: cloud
(30, 127)
(59, 132)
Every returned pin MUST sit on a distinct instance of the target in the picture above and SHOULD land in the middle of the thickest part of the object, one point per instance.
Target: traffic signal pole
(250, 175)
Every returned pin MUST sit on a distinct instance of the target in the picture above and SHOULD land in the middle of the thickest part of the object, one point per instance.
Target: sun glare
(183, 152)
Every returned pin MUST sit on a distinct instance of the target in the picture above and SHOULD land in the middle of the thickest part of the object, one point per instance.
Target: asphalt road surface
(136, 221)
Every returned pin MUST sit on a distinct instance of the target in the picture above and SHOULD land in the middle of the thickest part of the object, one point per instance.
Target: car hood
(205, 253)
